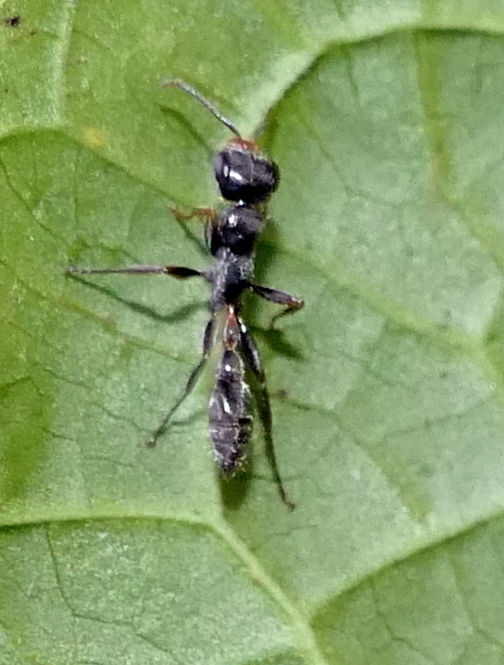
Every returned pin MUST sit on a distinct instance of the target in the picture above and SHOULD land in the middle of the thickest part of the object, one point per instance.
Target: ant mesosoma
(246, 178)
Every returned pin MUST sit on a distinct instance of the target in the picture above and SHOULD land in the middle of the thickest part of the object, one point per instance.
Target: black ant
(246, 178)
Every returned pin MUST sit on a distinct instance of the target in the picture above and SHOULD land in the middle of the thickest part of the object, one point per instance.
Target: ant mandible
(246, 178)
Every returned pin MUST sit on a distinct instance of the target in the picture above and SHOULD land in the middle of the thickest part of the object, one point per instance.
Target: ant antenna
(178, 83)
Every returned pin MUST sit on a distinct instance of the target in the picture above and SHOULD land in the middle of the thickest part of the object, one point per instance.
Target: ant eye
(245, 176)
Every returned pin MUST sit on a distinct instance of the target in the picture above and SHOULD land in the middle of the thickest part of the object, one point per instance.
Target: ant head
(244, 173)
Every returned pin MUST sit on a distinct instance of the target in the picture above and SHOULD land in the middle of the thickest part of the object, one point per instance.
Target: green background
(386, 119)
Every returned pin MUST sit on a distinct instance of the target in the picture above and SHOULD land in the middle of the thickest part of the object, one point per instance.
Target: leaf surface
(386, 122)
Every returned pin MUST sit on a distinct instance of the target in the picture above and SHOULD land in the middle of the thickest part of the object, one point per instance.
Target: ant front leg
(291, 303)
(206, 214)
(191, 382)
(209, 216)
(251, 354)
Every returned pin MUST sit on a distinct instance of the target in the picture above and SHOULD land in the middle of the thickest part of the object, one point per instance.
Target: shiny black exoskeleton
(244, 174)
(229, 409)
(246, 178)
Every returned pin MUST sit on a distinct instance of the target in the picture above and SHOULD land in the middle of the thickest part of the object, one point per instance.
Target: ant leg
(179, 272)
(292, 304)
(207, 215)
(251, 354)
(191, 382)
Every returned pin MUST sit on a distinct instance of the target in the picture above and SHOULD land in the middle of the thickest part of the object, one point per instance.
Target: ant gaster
(246, 178)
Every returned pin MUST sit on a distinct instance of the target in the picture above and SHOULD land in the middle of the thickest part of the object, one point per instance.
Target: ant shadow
(182, 121)
(180, 314)
(234, 490)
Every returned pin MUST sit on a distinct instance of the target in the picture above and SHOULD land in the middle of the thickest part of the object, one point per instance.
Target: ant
(246, 178)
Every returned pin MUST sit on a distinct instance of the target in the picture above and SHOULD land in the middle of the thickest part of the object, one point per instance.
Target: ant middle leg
(253, 359)
(291, 303)
(179, 272)
(191, 382)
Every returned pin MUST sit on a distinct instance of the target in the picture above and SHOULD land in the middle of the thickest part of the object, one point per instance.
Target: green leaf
(386, 122)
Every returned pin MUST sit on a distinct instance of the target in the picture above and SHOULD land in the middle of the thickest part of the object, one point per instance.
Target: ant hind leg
(191, 382)
(251, 354)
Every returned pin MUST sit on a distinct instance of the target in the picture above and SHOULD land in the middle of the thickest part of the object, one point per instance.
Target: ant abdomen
(230, 417)
(245, 174)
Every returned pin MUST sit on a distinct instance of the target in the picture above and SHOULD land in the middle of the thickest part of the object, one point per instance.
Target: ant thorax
(231, 240)
(229, 274)
(237, 228)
